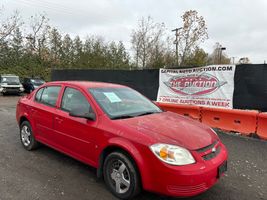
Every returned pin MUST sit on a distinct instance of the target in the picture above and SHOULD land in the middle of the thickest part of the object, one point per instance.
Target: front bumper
(11, 89)
(186, 181)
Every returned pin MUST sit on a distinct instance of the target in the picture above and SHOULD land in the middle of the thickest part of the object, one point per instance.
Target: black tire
(31, 143)
(130, 174)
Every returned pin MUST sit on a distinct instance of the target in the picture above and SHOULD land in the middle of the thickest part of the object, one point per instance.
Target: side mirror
(80, 113)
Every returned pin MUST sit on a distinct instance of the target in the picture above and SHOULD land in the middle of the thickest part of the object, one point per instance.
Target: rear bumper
(186, 181)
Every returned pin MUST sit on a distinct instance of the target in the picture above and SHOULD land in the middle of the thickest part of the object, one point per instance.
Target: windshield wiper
(147, 113)
(123, 117)
(131, 116)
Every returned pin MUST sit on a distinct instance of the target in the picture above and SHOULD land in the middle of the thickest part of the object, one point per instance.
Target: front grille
(211, 151)
(12, 88)
(187, 190)
(212, 154)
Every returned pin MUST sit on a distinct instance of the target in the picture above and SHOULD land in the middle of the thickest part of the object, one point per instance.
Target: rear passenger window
(39, 94)
(73, 99)
(50, 95)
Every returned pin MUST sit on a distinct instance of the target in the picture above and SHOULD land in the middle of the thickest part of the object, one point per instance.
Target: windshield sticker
(112, 97)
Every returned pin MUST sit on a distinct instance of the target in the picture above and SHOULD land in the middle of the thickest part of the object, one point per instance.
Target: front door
(75, 135)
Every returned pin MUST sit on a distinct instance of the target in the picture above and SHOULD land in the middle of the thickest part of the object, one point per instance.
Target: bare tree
(8, 25)
(39, 30)
(146, 40)
(218, 56)
(244, 60)
(192, 33)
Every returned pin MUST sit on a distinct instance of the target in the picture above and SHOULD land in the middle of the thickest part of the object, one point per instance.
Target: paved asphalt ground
(47, 174)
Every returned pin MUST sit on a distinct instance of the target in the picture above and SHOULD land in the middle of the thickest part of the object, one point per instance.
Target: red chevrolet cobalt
(133, 143)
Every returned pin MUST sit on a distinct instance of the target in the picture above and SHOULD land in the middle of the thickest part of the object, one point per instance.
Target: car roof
(87, 84)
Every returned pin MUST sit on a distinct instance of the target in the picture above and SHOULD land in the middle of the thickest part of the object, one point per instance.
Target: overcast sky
(239, 25)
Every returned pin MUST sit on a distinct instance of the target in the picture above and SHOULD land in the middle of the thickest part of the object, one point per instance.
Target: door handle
(59, 120)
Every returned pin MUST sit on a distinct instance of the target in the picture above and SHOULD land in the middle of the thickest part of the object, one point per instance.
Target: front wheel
(121, 176)
(26, 136)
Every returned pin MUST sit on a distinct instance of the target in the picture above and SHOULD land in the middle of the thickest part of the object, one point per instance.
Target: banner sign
(211, 86)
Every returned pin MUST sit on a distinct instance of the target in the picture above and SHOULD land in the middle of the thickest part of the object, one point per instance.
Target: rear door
(76, 135)
(43, 110)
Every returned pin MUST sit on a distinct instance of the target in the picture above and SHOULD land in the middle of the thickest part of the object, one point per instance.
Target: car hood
(171, 128)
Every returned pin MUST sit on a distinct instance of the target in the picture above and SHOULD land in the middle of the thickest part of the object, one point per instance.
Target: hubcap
(25, 136)
(120, 176)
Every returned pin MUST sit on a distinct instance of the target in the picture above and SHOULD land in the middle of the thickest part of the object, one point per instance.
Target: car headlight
(172, 154)
(21, 88)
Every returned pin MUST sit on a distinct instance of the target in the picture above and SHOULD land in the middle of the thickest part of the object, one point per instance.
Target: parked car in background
(31, 84)
(10, 84)
(132, 142)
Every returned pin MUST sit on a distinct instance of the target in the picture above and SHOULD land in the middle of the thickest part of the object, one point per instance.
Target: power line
(53, 7)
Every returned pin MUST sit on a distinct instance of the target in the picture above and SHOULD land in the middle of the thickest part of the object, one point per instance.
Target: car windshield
(10, 79)
(37, 82)
(120, 103)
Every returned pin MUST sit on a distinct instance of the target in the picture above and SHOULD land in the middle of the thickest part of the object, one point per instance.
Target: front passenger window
(50, 95)
(39, 95)
(73, 99)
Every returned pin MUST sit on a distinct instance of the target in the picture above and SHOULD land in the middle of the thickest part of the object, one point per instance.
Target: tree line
(34, 47)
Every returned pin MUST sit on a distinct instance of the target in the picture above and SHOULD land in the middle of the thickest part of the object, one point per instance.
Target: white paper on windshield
(112, 97)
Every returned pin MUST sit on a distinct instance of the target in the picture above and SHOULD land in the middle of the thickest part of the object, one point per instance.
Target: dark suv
(31, 84)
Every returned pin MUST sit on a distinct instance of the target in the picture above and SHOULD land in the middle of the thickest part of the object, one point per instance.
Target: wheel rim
(120, 177)
(25, 136)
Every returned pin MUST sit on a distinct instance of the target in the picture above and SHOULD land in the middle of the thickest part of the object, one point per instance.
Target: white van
(10, 83)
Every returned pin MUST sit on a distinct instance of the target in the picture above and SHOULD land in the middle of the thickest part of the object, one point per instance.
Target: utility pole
(233, 60)
(176, 44)
(221, 49)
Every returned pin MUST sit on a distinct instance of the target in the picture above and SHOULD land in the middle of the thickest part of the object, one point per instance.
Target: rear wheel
(26, 136)
(121, 176)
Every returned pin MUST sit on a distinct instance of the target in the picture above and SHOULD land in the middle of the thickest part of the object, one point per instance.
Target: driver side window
(73, 99)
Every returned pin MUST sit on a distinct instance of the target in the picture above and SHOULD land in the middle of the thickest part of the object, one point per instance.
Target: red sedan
(133, 143)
